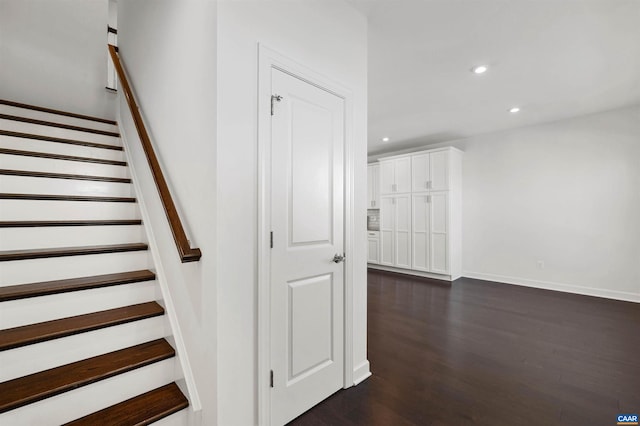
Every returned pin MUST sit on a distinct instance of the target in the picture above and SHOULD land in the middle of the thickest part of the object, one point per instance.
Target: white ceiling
(553, 58)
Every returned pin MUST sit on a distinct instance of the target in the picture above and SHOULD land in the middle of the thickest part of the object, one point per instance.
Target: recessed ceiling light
(385, 139)
(480, 69)
(514, 110)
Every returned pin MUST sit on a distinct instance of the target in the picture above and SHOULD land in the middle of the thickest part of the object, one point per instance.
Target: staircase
(82, 327)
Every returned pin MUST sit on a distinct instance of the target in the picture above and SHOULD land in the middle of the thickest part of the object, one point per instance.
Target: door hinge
(271, 239)
(271, 378)
(275, 98)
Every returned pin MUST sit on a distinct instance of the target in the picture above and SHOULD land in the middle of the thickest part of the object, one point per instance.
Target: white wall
(169, 50)
(566, 194)
(54, 54)
(329, 37)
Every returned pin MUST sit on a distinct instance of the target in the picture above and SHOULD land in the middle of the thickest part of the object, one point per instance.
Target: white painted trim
(555, 286)
(181, 350)
(361, 373)
(410, 272)
(268, 59)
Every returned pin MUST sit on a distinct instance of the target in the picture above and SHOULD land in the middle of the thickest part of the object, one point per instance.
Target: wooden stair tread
(45, 288)
(61, 157)
(35, 387)
(9, 255)
(35, 333)
(58, 125)
(140, 410)
(43, 223)
(54, 197)
(55, 111)
(59, 140)
(29, 173)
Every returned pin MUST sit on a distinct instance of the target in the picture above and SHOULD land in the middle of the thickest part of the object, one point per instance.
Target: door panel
(387, 177)
(387, 219)
(310, 200)
(439, 232)
(307, 296)
(373, 250)
(403, 231)
(420, 232)
(310, 325)
(439, 165)
(369, 187)
(403, 174)
(420, 173)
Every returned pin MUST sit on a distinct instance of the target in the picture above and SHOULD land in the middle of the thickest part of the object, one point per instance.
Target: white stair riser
(57, 132)
(66, 210)
(39, 164)
(69, 236)
(31, 359)
(24, 144)
(57, 268)
(181, 418)
(85, 400)
(40, 185)
(16, 313)
(56, 118)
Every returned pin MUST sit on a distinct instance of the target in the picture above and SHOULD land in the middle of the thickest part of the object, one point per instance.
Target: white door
(375, 179)
(420, 175)
(403, 174)
(307, 298)
(421, 235)
(439, 171)
(387, 230)
(403, 231)
(387, 177)
(439, 242)
(373, 174)
(373, 249)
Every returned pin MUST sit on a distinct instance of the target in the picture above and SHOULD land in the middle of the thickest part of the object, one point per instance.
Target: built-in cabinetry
(373, 182)
(420, 213)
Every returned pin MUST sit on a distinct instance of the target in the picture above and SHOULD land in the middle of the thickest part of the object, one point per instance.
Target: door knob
(338, 258)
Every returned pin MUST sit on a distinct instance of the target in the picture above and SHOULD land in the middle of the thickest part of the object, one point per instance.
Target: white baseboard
(410, 272)
(361, 373)
(548, 285)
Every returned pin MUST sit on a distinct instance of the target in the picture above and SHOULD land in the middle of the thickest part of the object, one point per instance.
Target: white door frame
(267, 60)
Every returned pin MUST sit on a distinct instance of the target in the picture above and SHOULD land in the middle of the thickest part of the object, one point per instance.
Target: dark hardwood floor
(484, 353)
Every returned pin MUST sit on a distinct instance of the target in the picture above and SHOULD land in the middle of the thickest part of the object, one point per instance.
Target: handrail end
(193, 255)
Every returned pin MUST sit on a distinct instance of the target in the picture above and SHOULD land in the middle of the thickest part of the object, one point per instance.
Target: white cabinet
(373, 251)
(395, 231)
(430, 229)
(395, 175)
(421, 213)
(373, 181)
(430, 171)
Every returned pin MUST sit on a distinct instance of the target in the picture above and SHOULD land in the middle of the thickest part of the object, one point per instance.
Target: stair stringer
(175, 337)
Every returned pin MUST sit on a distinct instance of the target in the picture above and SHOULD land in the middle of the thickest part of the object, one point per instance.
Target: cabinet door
(403, 231)
(420, 175)
(439, 171)
(375, 184)
(373, 250)
(387, 220)
(403, 174)
(439, 232)
(387, 177)
(370, 187)
(420, 235)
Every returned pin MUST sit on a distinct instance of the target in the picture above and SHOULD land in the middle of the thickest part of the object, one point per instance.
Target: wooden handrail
(187, 254)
